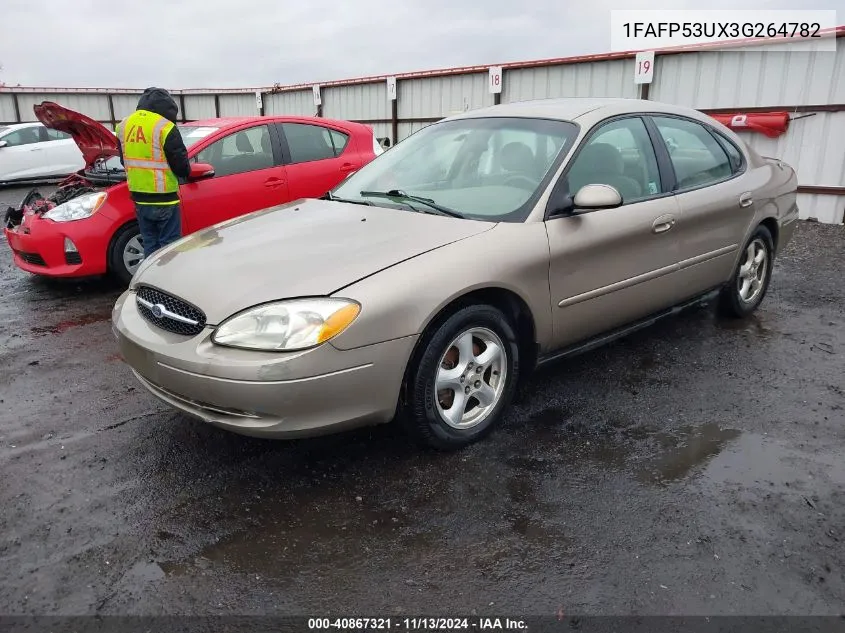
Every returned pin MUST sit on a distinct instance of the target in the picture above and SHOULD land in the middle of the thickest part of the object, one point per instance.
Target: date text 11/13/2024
(416, 624)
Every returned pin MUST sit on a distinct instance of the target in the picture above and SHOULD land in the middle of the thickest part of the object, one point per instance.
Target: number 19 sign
(496, 79)
(644, 67)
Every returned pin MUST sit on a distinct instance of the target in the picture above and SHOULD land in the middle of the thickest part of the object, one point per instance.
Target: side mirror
(595, 197)
(200, 171)
(3, 143)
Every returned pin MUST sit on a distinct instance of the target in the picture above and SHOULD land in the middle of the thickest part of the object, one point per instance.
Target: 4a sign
(136, 135)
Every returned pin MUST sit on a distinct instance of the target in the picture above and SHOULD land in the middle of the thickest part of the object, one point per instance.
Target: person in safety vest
(155, 158)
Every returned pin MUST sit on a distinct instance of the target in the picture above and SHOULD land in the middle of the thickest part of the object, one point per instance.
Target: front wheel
(126, 253)
(464, 379)
(750, 280)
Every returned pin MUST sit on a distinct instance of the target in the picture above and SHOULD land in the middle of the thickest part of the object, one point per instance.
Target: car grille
(169, 313)
(32, 258)
(73, 258)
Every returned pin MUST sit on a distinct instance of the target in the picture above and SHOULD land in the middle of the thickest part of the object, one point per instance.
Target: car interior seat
(602, 164)
(518, 159)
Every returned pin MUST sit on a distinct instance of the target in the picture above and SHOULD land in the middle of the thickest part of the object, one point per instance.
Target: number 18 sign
(644, 67)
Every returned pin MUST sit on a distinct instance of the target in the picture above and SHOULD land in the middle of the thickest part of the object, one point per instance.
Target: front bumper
(38, 246)
(260, 394)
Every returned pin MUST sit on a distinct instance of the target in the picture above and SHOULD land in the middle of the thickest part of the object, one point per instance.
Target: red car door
(248, 176)
(317, 157)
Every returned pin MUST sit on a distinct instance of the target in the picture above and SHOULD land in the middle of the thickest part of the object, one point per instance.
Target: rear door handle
(663, 224)
(274, 182)
(745, 200)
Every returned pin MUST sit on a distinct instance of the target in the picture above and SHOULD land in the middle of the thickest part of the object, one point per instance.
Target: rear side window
(734, 155)
(313, 142)
(56, 135)
(697, 157)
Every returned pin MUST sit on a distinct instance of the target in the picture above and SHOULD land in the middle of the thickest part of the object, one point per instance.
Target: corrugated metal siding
(595, 79)
(200, 107)
(808, 148)
(828, 209)
(755, 77)
(381, 130)
(7, 108)
(363, 102)
(124, 105)
(406, 129)
(95, 106)
(236, 105)
(442, 96)
(295, 103)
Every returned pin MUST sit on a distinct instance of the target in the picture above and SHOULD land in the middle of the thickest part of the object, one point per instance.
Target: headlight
(287, 326)
(77, 209)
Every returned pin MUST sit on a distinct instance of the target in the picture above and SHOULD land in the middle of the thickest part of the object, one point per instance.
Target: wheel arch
(115, 234)
(515, 308)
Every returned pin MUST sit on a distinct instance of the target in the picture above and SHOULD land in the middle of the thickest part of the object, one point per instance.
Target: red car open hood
(94, 139)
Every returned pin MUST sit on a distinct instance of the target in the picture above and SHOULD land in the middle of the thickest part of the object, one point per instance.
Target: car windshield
(491, 168)
(193, 133)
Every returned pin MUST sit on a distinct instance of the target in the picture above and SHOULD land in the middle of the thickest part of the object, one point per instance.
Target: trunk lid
(94, 140)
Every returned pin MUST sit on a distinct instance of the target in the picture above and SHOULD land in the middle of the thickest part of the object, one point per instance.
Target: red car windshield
(193, 133)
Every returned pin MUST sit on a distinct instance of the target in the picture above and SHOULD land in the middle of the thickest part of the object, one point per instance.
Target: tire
(425, 412)
(126, 241)
(747, 287)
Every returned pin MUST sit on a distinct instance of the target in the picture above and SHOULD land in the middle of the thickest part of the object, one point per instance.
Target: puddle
(63, 326)
(680, 452)
(749, 325)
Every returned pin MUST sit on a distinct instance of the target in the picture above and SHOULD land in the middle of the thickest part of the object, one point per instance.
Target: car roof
(586, 109)
(18, 126)
(229, 122)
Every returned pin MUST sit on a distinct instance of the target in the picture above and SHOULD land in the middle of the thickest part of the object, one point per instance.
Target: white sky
(245, 43)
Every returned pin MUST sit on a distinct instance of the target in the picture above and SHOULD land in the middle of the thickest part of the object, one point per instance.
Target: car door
(612, 266)
(248, 176)
(715, 200)
(317, 157)
(63, 154)
(23, 154)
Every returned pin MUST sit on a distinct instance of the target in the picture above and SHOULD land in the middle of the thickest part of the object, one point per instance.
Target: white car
(30, 151)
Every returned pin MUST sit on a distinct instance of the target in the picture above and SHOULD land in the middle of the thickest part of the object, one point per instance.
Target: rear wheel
(126, 253)
(463, 380)
(750, 280)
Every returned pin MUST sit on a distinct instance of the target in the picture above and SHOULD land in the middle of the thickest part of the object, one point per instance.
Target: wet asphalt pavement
(694, 468)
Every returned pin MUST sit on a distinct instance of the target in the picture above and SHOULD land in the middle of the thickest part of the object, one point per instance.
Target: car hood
(305, 248)
(93, 139)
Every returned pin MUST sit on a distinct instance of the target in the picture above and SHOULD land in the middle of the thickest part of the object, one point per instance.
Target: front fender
(402, 300)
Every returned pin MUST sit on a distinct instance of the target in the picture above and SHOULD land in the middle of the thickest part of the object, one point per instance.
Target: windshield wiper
(329, 196)
(404, 197)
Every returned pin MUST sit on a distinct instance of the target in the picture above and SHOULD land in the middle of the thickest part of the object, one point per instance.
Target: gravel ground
(693, 468)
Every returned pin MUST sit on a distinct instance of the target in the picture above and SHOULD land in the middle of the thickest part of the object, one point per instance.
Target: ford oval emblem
(158, 310)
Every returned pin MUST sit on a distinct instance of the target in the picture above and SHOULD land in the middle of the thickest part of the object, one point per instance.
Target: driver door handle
(745, 200)
(274, 182)
(347, 167)
(663, 224)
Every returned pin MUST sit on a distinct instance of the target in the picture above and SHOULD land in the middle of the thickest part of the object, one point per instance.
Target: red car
(88, 227)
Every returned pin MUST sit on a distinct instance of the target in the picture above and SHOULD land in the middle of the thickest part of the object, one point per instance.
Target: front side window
(619, 154)
(698, 159)
(24, 136)
(491, 168)
(240, 152)
(194, 133)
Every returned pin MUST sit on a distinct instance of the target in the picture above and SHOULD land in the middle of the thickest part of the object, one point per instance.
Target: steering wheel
(518, 180)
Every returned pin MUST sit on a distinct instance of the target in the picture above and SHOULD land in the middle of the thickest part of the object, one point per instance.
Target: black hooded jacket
(159, 101)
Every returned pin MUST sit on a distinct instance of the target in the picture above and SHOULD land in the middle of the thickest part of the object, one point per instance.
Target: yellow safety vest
(142, 135)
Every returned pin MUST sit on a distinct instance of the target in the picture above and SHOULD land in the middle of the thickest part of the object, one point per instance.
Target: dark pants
(160, 225)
